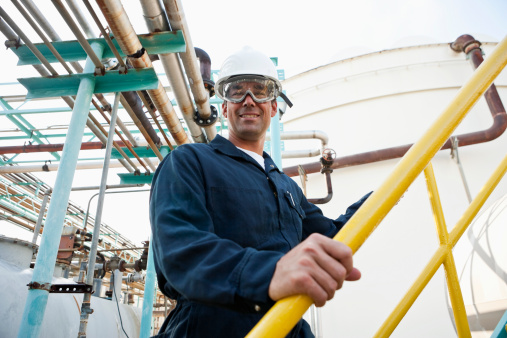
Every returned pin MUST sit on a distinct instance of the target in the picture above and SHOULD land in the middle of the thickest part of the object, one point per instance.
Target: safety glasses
(260, 89)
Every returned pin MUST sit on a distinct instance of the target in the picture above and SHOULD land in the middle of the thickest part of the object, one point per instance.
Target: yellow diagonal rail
(443, 256)
(282, 317)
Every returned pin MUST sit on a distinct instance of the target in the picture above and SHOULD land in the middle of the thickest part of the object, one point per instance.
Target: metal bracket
(39, 286)
(71, 288)
(206, 122)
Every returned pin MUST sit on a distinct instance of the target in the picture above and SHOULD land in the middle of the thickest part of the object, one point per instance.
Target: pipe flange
(201, 122)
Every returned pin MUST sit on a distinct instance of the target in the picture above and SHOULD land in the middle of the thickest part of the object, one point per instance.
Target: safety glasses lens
(261, 90)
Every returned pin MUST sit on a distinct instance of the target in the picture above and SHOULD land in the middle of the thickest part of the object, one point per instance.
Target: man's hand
(317, 267)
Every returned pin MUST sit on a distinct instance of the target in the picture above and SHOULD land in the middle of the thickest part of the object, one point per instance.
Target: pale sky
(302, 34)
(308, 34)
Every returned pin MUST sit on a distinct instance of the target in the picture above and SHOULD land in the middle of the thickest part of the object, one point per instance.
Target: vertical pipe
(85, 306)
(149, 293)
(41, 216)
(36, 301)
(276, 144)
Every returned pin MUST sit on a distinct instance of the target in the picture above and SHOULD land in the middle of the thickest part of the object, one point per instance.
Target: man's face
(249, 120)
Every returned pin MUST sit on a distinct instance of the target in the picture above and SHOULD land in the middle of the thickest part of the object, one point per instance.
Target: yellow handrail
(282, 317)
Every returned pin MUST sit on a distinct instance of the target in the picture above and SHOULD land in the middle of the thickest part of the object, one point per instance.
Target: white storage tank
(382, 100)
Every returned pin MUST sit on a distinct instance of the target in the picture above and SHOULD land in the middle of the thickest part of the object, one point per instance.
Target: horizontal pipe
(470, 46)
(39, 148)
(55, 166)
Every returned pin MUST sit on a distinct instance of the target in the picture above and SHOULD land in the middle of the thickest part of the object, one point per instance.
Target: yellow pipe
(451, 275)
(376, 207)
(458, 305)
(436, 205)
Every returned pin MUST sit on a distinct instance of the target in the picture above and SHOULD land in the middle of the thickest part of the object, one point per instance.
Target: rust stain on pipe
(468, 45)
(39, 148)
(128, 41)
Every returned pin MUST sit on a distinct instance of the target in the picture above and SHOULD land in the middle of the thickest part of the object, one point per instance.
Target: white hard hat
(247, 61)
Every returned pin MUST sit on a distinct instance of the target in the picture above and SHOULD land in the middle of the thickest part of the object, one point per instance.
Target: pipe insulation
(156, 21)
(124, 33)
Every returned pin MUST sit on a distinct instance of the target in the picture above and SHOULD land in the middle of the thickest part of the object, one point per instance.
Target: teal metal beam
(141, 151)
(149, 294)
(36, 301)
(112, 81)
(154, 43)
(131, 178)
(30, 132)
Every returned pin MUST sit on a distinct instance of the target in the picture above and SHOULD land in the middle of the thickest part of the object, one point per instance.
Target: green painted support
(154, 43)
(149, 294)
(112, 81)
(135, 179)
(140, 151)
(37, 298)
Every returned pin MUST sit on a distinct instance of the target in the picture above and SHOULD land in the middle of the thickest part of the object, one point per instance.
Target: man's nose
(248, 101)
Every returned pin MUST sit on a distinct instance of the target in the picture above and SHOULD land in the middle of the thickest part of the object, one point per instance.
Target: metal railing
(284, 315)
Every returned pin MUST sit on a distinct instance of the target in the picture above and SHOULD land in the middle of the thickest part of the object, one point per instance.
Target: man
(231, 233)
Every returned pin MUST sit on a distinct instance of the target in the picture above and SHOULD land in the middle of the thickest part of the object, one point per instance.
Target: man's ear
(274, 107)
(224, 109)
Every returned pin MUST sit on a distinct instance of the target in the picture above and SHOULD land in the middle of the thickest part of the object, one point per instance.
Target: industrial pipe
(85, 306)
(137, 107)
(205, 67)
(134, 100)
(324, 200)
(38, 16)
(99, 67)
(127, 39)
(177, 20)
(469, 45)
(42, 211)
(156, 21)
(298, 135)
(54, 167)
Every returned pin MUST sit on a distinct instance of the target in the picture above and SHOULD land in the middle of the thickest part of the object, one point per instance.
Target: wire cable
(118, 307)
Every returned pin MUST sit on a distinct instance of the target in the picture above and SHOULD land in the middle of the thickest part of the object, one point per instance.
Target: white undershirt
(254, 155)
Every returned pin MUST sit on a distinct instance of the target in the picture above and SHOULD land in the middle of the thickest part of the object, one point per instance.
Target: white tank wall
(62, 315)
(377, 101)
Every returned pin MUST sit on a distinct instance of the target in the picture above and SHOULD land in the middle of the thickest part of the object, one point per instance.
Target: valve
(327, 159)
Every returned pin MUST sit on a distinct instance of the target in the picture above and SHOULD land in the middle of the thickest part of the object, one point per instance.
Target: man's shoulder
(192, 148)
